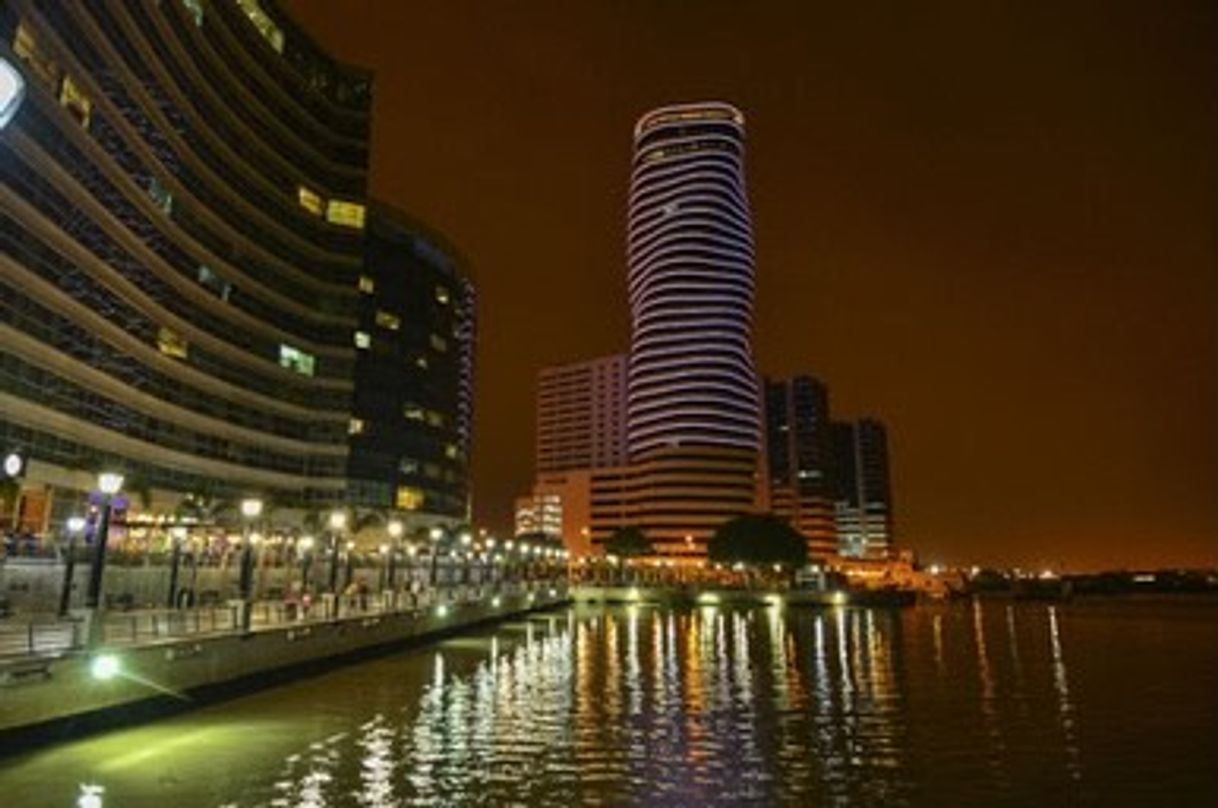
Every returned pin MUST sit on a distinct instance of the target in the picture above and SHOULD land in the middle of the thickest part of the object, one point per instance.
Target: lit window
(409, 498)
(160, 195)
(366, 284)
(195, 9)
(347, 214)
(408, 465)
(363, 339)
(74, 100)
(262, 21)
(214, 283)
(170, 343)
(386, 320)
(438, 343)
(355, 426)
(25, 46)
(442, 295)
(450, 451)
(297, 360)
(421, 362)
(309, 200)
(435, 418)
(412, 412)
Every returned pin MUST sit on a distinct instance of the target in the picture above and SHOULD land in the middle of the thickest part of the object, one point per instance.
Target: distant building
(411, 427)
(861, 489)
(799, 459)
(581, 415)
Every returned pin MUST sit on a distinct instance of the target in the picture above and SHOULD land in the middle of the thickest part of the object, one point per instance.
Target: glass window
(74, 100)
(408, 465)
(435, 418)
(309, 200)
(442, 295)
(195, 9)
(421, 362)
(356, 426)
(160, 195)
(347, 214)
(387, 320)
(363, 339)
(438, 343)
(170, 343)
(412, 412)
(450, 451)
(297, 360)
(214, 283)
(409, 498)
(25, 46)
(263, 22)
(366, 284)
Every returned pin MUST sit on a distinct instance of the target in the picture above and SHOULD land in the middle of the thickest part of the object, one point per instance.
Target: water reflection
(971, 704)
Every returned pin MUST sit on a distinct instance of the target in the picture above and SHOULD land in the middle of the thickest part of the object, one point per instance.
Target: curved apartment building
(693, 411)
(183, 233)
(692, 380)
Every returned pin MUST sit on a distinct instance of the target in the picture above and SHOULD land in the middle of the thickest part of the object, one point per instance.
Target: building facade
(799, 459)
(411, 427)
(693, 410)
(581, 415)
(183, 224)
(862, 489)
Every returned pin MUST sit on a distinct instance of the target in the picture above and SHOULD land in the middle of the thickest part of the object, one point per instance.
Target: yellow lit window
(263, 22)
(355, 426)
(386, 320)
(450, 451)
(442, 295)
(438, 343)
(347, 214)
(170, 343)
(25, 46)
(412, 412)
(421, 362)
(409, 498)
(309, 200)
(362, 339)
(366, 284)
(74, 100)
(435, 418)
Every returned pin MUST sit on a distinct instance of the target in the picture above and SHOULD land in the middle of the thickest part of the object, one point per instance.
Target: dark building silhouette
(861, 488)
(798, 458)
(412, 417)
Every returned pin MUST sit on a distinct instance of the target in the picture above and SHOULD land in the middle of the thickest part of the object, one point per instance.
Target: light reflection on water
(968, 704)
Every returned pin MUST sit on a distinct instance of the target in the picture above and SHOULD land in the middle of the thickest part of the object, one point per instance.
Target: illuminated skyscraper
(862, 491)
(693, 415)
(799, 459)
(692, 380)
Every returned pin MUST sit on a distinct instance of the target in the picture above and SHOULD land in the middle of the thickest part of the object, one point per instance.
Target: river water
(977, 703)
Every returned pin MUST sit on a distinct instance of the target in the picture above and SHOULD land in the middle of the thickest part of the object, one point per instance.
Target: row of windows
(47, 389)
(58, 332)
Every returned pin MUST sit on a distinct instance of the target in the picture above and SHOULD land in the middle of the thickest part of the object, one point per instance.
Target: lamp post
(109, 483)
(395, 529)
(177, 535)
(338, 523)
(251, 509)
(436, 534)
(75, 526)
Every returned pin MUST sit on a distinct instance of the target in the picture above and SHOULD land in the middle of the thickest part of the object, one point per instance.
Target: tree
(629, 541)
(758, 539)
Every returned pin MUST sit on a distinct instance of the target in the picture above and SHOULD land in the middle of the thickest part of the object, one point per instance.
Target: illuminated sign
(12, 91)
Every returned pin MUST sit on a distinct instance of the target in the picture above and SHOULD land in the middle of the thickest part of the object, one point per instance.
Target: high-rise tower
(693, 413)
(691, 379)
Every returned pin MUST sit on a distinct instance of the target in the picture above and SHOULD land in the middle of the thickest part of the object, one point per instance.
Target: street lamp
(109, 483)
(251, 509)
(395, 529)
(338, 523)
(75, 526)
